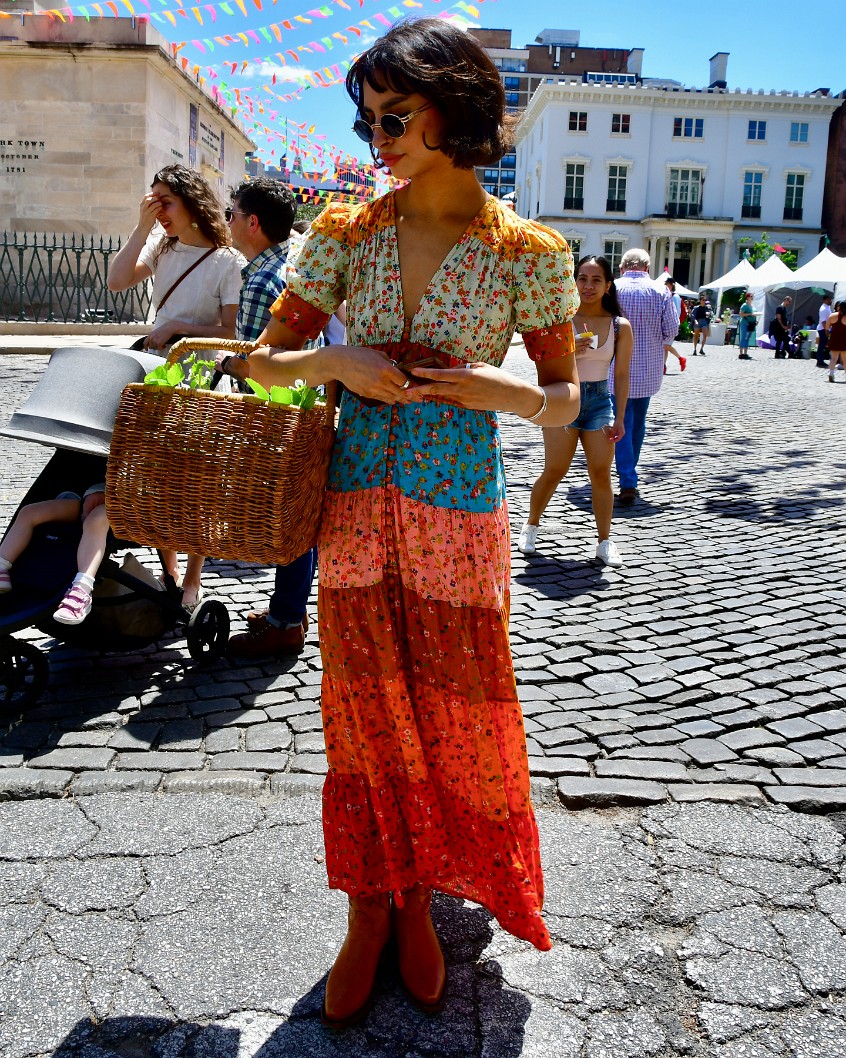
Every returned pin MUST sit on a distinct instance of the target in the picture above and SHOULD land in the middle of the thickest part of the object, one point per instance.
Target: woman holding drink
(602, 337)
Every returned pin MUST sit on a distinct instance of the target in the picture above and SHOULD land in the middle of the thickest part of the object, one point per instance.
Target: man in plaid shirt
(655, 322)
(260, 220)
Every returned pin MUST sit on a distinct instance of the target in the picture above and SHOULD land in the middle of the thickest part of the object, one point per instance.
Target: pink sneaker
(75, 606)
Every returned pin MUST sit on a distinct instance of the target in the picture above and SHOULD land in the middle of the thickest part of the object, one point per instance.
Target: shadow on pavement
(482, 1015)
(572, 578)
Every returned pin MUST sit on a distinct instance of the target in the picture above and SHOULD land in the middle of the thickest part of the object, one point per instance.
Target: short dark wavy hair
(451, 70)
(199, 199)
(272, 202)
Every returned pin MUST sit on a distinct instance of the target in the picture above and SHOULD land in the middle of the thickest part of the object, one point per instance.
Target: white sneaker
(608, 554)
(527, 539)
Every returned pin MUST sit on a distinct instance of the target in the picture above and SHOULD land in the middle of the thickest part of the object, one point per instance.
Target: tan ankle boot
(349, 989)
(421, 961)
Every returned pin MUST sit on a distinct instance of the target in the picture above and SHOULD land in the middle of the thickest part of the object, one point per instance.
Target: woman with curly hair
(193, 249)
(428, 782)
(196, 282)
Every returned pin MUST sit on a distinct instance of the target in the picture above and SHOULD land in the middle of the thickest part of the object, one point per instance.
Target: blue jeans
(287, 604)
(627, 451)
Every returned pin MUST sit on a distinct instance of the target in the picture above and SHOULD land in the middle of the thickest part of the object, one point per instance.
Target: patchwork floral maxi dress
(428, 777)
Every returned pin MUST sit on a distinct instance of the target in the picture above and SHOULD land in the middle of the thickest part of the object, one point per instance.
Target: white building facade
(692, 175)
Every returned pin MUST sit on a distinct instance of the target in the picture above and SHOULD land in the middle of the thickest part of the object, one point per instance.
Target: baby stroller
(131, 608)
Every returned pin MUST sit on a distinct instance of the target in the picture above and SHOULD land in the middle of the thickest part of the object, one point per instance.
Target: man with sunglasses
(260, 219)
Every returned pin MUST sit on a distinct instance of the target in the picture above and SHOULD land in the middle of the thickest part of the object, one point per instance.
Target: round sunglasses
(391, 124)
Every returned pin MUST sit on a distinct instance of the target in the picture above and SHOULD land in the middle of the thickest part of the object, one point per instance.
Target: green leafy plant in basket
(199, 374)
(300, 395)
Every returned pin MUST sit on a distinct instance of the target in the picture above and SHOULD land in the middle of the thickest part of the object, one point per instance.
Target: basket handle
(195, 345)
(231, 345)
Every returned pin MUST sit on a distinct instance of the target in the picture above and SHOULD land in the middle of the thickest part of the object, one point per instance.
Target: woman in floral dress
(428, 784)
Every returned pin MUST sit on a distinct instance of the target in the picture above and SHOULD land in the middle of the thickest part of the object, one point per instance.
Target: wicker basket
(223, 475)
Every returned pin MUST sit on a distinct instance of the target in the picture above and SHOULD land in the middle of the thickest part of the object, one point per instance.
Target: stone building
(555, 52)
(90, 111)
(694, 175)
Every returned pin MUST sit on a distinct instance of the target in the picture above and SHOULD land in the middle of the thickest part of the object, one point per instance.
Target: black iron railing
(47, 278)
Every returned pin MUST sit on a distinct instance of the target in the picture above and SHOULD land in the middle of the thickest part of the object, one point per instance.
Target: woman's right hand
(369, 373)
(148, 212)
(583, 342)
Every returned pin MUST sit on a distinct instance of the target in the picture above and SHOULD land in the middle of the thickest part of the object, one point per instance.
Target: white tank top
(593, 364)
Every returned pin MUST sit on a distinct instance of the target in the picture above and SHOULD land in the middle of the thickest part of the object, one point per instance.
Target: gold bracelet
(541, 409)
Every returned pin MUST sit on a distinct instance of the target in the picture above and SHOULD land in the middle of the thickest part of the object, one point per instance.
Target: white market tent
(682, 291)
(825, 271)
(771, 274)
(742, 275)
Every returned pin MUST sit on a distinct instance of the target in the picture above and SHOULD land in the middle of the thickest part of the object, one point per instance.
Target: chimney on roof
(719, 66)
(634, 63)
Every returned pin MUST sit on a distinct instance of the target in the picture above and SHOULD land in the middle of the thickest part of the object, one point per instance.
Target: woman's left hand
(161, 335)
(481, 387)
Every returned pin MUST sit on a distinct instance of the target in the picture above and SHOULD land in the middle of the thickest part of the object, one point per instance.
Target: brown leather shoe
(260, 617)
(263, 638)
(626, 497)
(349, 988)
(421, 961)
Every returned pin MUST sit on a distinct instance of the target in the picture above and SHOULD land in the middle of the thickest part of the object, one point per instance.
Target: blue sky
(779, 51)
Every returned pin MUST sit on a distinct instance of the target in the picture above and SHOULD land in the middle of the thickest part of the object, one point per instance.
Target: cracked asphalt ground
(199, 926)
(709, 667)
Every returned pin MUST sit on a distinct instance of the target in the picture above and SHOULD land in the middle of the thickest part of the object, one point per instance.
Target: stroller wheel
(208, 631)
(23, 674)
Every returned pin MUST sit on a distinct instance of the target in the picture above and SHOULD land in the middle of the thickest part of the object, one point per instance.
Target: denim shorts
(596, 410)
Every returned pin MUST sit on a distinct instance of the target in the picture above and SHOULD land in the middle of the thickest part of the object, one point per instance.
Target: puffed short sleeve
(317, 277)
(544, 294)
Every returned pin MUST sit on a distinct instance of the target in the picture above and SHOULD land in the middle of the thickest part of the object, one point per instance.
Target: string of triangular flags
(273, 30)
(327, 43)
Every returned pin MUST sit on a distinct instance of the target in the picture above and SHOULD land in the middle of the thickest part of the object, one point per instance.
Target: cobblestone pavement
(710, 667)
(172, 927)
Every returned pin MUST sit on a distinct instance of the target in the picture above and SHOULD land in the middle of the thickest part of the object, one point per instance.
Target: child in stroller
(67, 507)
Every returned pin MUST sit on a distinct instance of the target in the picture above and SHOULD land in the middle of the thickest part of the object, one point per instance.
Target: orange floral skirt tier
(428, 777)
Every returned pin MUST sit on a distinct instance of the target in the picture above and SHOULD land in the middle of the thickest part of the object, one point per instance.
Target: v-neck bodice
(454, 251)
(503, 274)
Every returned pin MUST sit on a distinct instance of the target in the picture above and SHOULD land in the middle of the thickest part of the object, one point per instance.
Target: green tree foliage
(760, 251)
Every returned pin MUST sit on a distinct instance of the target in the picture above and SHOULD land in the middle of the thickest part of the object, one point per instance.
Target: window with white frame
(684, 192)
(574, 185)
(688, 128)
(798, 131)
(794, 196)
(753, 184)
(617, 178)
(757, 130)
(612, 251)
(575, 245)
(620, 124)
(578, 121)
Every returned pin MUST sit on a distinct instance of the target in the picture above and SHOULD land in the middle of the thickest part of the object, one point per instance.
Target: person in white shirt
(196, 283)
(822, 333)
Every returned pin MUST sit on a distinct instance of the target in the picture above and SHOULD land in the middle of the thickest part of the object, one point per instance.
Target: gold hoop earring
(194, 225)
